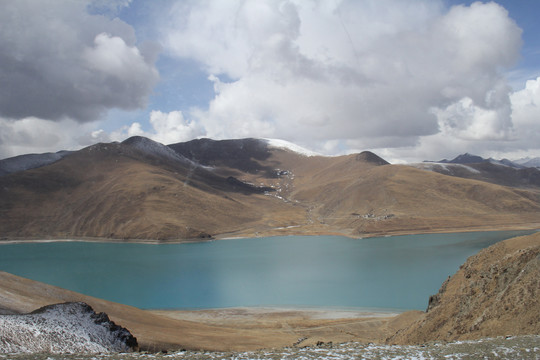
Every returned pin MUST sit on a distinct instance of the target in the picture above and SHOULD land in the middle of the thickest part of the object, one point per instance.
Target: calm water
(397, 272)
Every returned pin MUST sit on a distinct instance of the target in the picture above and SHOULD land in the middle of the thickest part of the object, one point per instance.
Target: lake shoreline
(269, 234)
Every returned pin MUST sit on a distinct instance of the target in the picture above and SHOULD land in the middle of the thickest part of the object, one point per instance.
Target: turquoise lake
(398, 272)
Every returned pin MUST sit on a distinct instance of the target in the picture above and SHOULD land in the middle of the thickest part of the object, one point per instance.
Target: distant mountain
(463, 159)
(29, 161)
(529, 162)
(475, 159)
(501, 172)
(141, 189)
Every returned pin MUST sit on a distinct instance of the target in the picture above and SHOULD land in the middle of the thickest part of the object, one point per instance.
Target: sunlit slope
(140, 189)
(399, 198)
(114, 192)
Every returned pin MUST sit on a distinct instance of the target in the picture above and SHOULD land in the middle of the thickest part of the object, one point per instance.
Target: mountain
(29, 161)
(463, 159)
(475, 159)
(501, 172)
(528, 162)
(140, 189)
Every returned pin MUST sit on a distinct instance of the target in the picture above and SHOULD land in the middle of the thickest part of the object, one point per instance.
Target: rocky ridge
(63, 328)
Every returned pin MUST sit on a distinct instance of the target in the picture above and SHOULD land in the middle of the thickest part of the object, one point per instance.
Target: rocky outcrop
(495, 293)
(63, 328)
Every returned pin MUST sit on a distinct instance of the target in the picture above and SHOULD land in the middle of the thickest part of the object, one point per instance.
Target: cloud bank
(326, 74)
(409, 80)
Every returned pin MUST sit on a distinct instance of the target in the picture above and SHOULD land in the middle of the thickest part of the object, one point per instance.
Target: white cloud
(108, 6)
(167, 128)
(376, 74)
(34, 135)
(172, 127)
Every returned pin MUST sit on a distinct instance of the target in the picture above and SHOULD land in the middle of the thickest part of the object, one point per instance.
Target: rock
(64, 328)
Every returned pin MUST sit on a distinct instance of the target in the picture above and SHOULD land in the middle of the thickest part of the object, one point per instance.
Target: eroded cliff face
(63, 328)
(495, 293)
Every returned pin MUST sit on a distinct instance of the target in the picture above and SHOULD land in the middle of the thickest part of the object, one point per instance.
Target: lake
(395, 273)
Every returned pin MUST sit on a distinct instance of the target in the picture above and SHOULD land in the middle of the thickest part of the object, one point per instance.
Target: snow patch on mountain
(283, 144)
(63, 329)
(448, 167)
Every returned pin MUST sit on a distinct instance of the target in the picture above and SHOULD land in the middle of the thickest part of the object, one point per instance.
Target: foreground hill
(140, 189)
(64, 328)
(495, 293)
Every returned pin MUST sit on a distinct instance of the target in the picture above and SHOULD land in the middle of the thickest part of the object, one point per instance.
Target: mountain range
(475, 159)
(522, 173)
(140, 190)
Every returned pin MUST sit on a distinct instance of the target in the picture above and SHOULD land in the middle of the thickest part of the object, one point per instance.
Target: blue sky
(409, 80)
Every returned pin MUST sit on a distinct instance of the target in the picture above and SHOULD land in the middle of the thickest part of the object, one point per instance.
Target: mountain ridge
(140, 190)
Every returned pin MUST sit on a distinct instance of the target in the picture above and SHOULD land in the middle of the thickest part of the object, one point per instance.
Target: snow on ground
(447, 167)
(283, 144)
(520, 347)
(59, 329)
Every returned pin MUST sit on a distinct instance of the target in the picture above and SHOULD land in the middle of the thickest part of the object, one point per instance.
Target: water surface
(398, 272)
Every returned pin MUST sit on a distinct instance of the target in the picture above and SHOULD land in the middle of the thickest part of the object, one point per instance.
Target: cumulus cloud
(167, 128)
(376, 74)
(58, 61)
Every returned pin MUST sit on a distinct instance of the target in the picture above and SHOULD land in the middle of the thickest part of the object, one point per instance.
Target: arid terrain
(143, 190)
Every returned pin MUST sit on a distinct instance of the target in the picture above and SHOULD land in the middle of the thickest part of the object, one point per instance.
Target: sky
(410, 80)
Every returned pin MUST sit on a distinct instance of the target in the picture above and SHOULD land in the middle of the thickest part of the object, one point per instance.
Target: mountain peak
(467, 159)
(372, 158)
(154, 148)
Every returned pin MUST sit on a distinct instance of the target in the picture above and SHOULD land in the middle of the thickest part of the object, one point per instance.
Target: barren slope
(115, 191)
(495, 293)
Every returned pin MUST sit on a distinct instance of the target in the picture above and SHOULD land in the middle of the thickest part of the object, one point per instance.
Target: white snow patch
(61, 329)
(283, 144)
(430, 166)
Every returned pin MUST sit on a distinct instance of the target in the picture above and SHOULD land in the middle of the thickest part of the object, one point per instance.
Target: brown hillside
(495, 293)
(138, 190)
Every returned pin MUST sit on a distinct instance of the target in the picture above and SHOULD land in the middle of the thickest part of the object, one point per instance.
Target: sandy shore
(300, 326)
